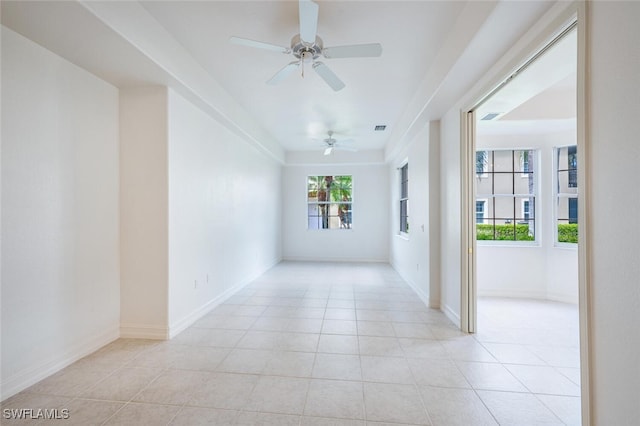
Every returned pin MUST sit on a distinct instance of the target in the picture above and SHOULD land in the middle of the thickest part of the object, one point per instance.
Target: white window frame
(484, 211)
(522, 209)
(403, 232)
(319, 203)
(525, 197)
(556, 199)
(526, 175)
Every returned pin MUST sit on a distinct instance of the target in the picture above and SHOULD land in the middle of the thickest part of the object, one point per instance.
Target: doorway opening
(522, 272)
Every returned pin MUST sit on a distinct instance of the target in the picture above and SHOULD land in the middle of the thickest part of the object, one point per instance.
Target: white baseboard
(524, 294)
(181, 325)
(564, 298)
(331, 259)
(143, 331)
(421, 294)
(451, 314)
(178, 326)
(32, 375)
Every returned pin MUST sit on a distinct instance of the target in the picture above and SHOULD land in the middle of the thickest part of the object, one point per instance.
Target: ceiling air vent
(490, 116)
(380, 128)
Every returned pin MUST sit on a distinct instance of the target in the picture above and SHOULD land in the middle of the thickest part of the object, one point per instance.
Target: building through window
(481, 206)
(329, 202)
(506, 195)
(566, 163)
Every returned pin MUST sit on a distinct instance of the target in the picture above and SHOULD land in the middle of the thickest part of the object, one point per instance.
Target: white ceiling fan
(307, 47)
(332, 144)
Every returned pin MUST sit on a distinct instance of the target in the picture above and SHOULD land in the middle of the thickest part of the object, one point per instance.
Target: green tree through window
(329, 202)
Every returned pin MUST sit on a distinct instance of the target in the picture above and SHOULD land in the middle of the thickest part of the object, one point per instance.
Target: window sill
(403, 236)
(566, 246)
(331, 230)
(504, 243)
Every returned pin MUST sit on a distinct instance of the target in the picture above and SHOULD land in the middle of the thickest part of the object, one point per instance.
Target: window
(480, 210)
(572, 166)
(329, 202)
(404, 198)
(573, 210)
(566, 163)
(524, 163)
(526, 209)
(482, 158)
(506, 201)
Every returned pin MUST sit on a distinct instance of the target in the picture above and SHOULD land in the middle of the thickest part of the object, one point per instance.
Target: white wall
(411, 253)
(450, 229)
(435, 283)
(60, 284)
(614, 90)
(366, 241)
(543, 270)
(144, 212)
(224, 212)
(200, 212)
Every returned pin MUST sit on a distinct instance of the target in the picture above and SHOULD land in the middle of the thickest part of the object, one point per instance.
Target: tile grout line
(356, 291)
(134, 395)
(315, 357)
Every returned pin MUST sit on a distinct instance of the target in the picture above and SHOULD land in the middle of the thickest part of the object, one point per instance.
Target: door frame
(559, 19)
(468, 293)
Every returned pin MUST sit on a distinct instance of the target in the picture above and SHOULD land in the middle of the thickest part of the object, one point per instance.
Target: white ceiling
(423, 42)
(299, 109)
(542, 98)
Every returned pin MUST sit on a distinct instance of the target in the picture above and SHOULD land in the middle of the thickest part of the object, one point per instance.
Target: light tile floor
(330, 344)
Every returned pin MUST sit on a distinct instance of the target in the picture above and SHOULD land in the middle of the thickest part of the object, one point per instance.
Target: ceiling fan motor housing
(302, 50)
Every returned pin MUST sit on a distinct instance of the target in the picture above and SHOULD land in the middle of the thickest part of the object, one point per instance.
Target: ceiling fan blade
(328, 76)
(258, 44)
(328, 150)
(283, 73)
(308, 11)
(353, 51)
